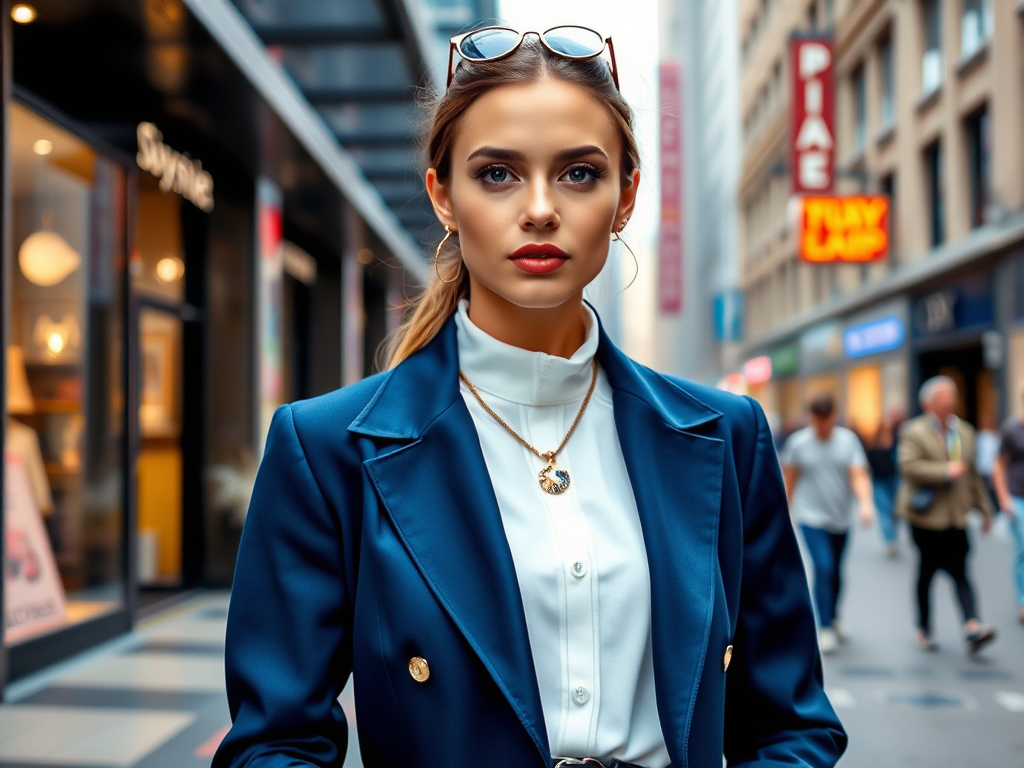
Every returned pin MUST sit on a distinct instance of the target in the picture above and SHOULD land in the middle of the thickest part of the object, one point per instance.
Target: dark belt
(566, 762)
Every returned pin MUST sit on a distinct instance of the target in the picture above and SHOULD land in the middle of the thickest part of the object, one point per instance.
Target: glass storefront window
(64, 516)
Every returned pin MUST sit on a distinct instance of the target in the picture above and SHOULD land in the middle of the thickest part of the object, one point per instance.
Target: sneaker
(926, 643)
(828, 641)
(979, 638)
(841, 634)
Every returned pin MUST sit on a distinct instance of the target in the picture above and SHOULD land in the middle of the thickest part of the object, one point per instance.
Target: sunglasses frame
(455, 42)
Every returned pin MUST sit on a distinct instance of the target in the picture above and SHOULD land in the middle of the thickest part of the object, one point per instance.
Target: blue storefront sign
(882, 335)
(728, 307)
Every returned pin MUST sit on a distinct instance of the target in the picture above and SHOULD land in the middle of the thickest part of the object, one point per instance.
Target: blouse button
(579, 569)
(580, 695)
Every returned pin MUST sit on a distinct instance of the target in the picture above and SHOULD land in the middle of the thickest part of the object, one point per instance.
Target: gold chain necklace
(553, 479)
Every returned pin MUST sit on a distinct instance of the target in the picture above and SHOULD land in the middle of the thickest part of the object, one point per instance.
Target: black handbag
(922, 499)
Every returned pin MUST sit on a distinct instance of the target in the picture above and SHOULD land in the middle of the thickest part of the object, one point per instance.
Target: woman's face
(535, 191)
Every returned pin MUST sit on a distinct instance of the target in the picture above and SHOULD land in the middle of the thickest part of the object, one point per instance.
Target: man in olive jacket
(941, 484)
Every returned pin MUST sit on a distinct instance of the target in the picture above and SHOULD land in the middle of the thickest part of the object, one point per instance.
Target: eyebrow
(514, 155)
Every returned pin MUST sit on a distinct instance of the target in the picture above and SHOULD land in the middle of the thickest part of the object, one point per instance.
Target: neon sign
(844, 229)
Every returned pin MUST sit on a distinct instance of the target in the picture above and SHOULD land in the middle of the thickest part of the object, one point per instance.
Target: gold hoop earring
(447, 233)
(636, 264)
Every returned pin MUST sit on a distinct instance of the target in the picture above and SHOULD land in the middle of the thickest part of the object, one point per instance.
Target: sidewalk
(905, 707)
(153, 699)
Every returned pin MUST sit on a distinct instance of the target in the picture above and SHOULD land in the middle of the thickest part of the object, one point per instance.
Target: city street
(155, 699)
(905, 707)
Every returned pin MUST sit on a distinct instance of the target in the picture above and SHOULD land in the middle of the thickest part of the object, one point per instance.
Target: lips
(539, 258)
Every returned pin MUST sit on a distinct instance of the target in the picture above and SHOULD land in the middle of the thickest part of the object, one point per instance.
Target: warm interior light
(46, 258)
(364, 256)
(43, 147)
(56, 337)
(55, 342)
(23, 13)
(170, 269)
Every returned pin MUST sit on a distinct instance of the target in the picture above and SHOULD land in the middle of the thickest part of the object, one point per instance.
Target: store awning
(359, 65)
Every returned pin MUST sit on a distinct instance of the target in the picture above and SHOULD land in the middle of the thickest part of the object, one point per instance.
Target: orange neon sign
(851, 228)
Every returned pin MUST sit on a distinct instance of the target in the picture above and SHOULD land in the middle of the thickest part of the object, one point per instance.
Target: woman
(527, 549)
(881, 455)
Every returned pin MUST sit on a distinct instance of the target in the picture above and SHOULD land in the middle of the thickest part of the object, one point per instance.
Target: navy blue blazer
(374, 536)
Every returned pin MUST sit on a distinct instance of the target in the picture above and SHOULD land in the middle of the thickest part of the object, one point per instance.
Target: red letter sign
(670, 236)
(812, 142)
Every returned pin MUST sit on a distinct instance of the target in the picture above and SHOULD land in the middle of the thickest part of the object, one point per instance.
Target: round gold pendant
(553, 479)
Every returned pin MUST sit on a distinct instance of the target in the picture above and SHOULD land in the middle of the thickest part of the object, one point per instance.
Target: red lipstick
(539, 258)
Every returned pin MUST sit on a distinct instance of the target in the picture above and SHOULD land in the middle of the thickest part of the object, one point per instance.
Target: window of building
(931, 61)
(933, 168)
(979, 158)
(975, 25)
(64, 459)
(887, 186)
(860, 109)
(888, 83)
(812, 15)
(830, 13)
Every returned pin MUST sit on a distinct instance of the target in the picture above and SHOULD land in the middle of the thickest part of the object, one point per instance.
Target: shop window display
(65, 405)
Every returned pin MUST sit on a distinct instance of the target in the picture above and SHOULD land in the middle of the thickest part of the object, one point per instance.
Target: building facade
(186, 244)
(929, 110)
(700, 38)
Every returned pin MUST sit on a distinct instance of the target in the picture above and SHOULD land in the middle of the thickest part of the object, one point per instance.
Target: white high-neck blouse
(580, 558)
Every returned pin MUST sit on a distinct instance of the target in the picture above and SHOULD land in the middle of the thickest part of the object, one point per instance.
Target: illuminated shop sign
(812, 120)
(871, 338)
(758, 370)
(175, 171)
(844, 229)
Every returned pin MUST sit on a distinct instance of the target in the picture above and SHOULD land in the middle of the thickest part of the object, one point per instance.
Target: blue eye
(495, 174)
(583, 174)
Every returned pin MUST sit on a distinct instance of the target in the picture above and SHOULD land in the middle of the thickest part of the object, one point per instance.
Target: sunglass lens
(577, 42)
(488, 44)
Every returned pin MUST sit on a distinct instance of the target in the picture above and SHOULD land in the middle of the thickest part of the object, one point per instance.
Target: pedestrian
(987, 443)
(1008, 479)
(881, 456)
(524, 547)
(941, 484)
(827, 480)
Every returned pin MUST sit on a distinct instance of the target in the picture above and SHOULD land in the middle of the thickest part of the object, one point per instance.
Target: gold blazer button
(419, 669)
(727, 660)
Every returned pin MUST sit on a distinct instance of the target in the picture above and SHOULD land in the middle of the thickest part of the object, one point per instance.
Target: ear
(627, 200)
(440, 199)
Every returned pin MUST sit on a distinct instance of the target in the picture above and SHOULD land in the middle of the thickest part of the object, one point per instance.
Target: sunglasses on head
(493, 43)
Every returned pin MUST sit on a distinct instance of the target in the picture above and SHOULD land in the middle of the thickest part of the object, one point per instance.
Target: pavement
(155, 698)
(905, 707)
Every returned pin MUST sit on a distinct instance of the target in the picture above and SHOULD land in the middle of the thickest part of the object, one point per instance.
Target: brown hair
(532, 62)
(823, 405)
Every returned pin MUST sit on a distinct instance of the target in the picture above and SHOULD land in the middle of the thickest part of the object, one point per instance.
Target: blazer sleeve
(777, 713)
(288, 644)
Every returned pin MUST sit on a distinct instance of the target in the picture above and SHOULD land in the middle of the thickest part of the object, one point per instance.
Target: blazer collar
(424, 385)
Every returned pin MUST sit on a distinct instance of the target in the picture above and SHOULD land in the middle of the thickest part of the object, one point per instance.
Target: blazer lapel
(676, 476)
(437, 493)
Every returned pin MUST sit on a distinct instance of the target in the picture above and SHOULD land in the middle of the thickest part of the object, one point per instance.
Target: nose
(540, 212)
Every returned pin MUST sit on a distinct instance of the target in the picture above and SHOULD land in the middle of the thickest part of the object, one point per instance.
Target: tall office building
(700, 39)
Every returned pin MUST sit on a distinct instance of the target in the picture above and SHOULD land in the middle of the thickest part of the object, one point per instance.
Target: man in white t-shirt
(827, 481)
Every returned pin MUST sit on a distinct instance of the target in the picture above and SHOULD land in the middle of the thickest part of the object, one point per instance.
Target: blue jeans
(826, 550)
(884, 490)
(1017, 530)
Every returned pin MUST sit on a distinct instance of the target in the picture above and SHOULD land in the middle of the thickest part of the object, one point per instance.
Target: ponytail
(432, 309)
